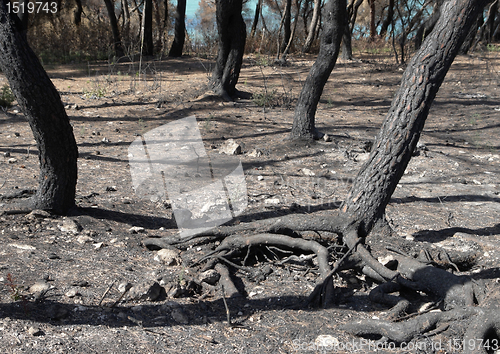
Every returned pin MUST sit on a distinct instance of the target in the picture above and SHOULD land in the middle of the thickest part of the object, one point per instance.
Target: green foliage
(265, 98)
(98, 91)
(6, 96)
(14, 289)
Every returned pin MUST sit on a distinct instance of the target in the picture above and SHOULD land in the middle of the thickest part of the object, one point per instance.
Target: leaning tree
(360, 223)
(232, 35)
(42, 106)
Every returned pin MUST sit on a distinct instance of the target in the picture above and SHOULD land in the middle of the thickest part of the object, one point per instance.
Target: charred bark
(179, 30)
(305, 111)
(232, 36)
(312, 28)
(41, 104)
(256, 18)
(148, 46)
(117, 42)
(398, 137)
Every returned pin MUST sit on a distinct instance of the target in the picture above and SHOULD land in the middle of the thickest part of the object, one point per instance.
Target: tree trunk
(388, 19)
(373, 30)
(41, 104)
(287, 25)
(179, 30)
(148, 47)
(312, 28)
(398, 137)
(117, 42)
(428, 25)
(232, 36)
(77, 14)
(352, 13)
(256, 18)
(305, 110)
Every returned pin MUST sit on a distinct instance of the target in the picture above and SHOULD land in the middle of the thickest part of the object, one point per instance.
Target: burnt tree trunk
(117, 42)
(232, 36)
(287, 26)
(398, 137)
(148, 46)
(312, 28)
(179, 30)
(256, 18)
(389, 19)
(428, 25)
(352, 13)
(334, 24)
(41, 104)
(77, 14)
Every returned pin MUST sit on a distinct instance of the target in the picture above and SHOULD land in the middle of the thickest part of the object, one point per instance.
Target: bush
(6, 96)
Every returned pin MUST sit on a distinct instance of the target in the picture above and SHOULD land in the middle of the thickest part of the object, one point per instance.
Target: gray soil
(60, 276)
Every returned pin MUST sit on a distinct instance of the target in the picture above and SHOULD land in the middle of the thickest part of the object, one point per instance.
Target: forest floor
(55, 271)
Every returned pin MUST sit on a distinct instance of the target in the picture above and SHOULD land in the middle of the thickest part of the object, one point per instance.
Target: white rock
(70, 225)
(326, 341)
(136, 229)
(308, 172)
(84, 239)
(272, 201)
(255, 153)
(260, 178)
(167, 256)
(39, 286)
(230, 147)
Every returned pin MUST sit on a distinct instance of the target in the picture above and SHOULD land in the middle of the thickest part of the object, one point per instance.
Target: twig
(228, 314)
(106, 292)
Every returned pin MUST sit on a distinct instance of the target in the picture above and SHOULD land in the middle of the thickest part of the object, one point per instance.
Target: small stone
(362, 157)
(210, 276)
(308, 172)
(37, 214)
(327, 138)
(272, 201)
(70, 225)
(111, 189)
(105, 140)
(260, 178)
(6, 154)
(230, 147)
(169, 257)
(72, 292)
(12, 160)
(35, 331)
(179, 316)
(136, 229)
(53, 256)
(99, 245)
(255, 153)
(123, 287)
(326, 341)
(84, 239)
(145, 291)
(39, 286)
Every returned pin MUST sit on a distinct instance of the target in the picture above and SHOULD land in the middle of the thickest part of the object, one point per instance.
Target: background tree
(148, 47)
(117, 42)
(312, 27)
(232, 35)
(179, 30)
(334, 24)
(41, 104)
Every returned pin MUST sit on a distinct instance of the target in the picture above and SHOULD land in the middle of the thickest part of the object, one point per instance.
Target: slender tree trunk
(179, 29)
(312, 28)
(77, 14)
(41, 104)
(232, 36)
(428, 25)
(117, 42)
(352, 13)
(373, 30)
(148, 48)
(256, 18)
(398, 137)
(287, 25)
(303, 120)
(388, 19)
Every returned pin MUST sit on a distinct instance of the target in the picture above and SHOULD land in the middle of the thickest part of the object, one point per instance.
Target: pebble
(39, 286)
(169, 257)
(145, 291)
(70, 225)
(136, 229)
(308, 172)
(72, 293)
(210, 276)
(35, 331)
(230, 147)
